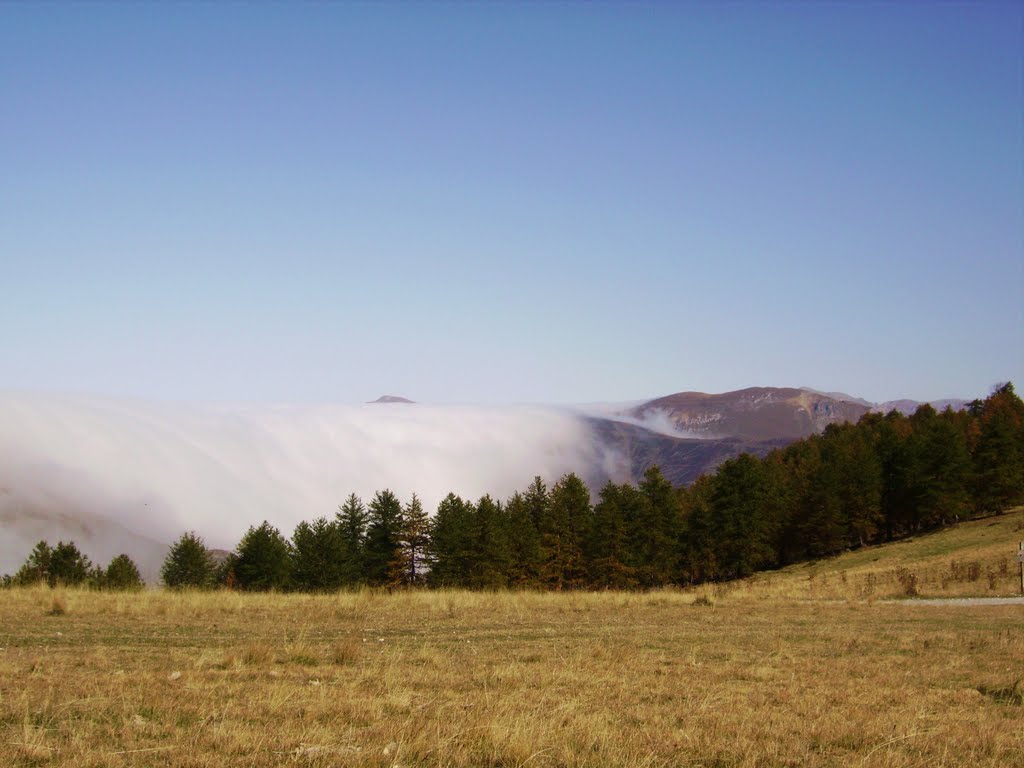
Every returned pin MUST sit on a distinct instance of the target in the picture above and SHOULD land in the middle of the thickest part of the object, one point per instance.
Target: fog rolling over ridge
(121, 475)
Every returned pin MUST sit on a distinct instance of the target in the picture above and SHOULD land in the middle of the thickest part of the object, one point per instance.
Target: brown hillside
(757, 413)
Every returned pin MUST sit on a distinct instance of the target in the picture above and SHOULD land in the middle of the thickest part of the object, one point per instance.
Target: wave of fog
(137, 474)
(654, 420)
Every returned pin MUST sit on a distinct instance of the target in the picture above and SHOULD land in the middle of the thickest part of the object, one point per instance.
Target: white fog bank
(120, 475)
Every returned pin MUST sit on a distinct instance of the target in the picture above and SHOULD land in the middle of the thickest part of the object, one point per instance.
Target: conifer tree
(383, 537)
(655, 534)
(524, 542)
(999, 451)
(491, 553)
(122, 574)
(36, 567)
(563, 532)
(351, 520)
(414, 540)
(746, 506)
(451, 552)
(262, 560)
(188, 564)
(607, 549)
(317, 553)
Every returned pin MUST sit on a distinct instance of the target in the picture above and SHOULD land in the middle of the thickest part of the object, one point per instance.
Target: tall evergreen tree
(524, 543)
(188, 564)
(943, 470)
(698, 550)
(607, 549)
(491, 552)
(999, 451)
(747, 514)
(68, 566)
(655, 533)
(317, 554)
(351, 520)
(414, 541)
(36, 567)
(383, 538)
(451, 553)
(563, 532)
(122, 574)
(262, 561)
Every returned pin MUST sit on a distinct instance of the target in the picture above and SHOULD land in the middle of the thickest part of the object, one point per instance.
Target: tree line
(883, 478)
(65, 565)
(886, 477)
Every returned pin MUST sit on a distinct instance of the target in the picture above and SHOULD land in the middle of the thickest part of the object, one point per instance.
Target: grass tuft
(58, 605)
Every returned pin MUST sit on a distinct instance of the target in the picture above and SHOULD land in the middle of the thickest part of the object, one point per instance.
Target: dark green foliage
(383, 539)
(746, 512)
(122, 574)
(564, 527)
(65, 565)
(608, 546)
(351, 519)
(68, 566)
(262, 561)
(491, 551)
(37, 567)
(188, 564)
(654, 530)
(318, 556)
(452, 544)
(523, 543)
(61, 565)
(414, 537)
(999, 451)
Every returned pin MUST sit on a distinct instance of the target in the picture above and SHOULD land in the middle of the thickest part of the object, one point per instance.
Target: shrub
(122, 574)
(188, 564)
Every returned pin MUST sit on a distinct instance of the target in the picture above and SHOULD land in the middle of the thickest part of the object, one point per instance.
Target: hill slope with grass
(973, 559)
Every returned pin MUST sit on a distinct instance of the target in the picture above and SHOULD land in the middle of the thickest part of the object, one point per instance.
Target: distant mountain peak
(391, 399)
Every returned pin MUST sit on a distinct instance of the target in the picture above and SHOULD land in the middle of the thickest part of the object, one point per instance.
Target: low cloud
(141, 473)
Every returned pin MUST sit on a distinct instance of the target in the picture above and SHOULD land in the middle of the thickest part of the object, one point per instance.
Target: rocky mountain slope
(757, 413)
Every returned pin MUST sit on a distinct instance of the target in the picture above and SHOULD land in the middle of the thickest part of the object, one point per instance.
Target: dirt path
(962, 601)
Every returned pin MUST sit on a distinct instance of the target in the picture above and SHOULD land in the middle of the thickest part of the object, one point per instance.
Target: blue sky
(510, 203)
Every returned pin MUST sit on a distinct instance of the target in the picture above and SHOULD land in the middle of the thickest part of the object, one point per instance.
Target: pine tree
(999, 451)
(36, 567)
(262, 560)
(563, 531)
(188, 564)
(317, 554)
(698, 555)
(66, 565)
(352, 519)
(122, 574)
(747, 514)
(414, 541)
(655, 531)
(491, 553)
(382, 537)
(944, 471)
(607, 550)
(524, 543)
(451, 550)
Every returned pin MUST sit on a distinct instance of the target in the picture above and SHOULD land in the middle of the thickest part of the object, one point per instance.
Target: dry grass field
(794, 668)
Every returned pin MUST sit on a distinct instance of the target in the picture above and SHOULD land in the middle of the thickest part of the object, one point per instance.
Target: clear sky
(510, 203)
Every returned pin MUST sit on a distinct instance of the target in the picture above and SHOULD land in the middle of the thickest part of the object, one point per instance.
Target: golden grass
(752, 675)
(465, 679)
(974, 559)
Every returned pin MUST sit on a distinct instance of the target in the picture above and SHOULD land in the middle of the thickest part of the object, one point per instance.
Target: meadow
(805, 667)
